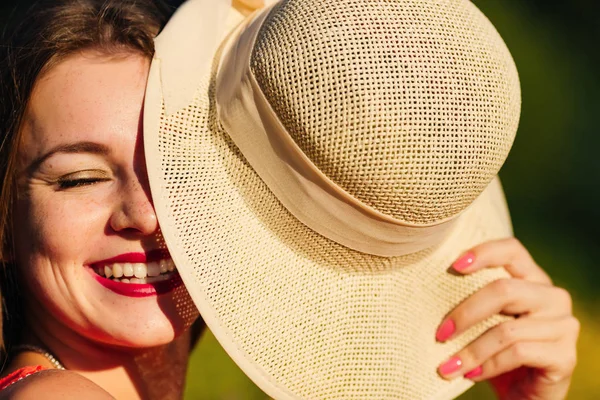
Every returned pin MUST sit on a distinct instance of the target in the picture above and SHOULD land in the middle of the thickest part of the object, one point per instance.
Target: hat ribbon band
(299, 185)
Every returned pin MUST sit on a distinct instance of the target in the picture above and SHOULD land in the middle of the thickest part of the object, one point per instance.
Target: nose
(135, 212)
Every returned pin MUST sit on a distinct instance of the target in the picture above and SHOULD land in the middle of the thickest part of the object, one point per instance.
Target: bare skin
(86, 202)
(531, 357)
(125, 348)
(142, 352)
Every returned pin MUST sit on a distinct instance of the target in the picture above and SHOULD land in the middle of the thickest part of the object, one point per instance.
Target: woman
(59, 51)
(76, 204)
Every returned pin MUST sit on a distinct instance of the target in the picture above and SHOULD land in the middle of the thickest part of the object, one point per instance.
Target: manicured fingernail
(474, 373)
(464, 262)
(450, 366)
(445, 330)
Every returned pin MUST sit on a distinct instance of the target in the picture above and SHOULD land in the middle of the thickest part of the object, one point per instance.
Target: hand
(530, 357)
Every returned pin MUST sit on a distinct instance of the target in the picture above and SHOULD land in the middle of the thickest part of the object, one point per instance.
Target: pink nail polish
(445, 330)
(464, 262)
(474, 373)
(450, 366)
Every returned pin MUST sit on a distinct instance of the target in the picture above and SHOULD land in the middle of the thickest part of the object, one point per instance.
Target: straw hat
(316, 168)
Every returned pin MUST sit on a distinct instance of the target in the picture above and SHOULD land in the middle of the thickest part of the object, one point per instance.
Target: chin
(159, 327)
(152, 334)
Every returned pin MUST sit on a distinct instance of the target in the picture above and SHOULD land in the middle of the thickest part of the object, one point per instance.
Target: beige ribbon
(247, 7)
(299, 185)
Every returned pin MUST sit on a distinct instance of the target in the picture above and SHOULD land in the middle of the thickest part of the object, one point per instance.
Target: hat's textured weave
(413, 116)
(410, 106)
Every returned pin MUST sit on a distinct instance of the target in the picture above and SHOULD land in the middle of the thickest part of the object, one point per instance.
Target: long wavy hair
(35, 39)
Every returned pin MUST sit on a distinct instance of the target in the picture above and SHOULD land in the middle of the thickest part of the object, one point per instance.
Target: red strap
(19, 374)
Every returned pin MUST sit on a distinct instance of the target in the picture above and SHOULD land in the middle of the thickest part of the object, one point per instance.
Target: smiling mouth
(138, 273)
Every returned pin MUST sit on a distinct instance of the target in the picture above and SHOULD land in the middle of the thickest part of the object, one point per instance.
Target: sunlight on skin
(89, 202)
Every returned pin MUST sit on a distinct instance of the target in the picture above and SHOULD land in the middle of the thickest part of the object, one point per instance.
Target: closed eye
(81, 179)
(73, 183)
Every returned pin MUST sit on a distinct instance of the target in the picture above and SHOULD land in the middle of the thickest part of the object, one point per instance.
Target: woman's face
(83, 209)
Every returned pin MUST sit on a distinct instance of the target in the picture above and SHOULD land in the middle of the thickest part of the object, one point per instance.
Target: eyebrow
(70, 148)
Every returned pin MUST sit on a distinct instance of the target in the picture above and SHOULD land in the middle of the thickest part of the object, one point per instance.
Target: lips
(137, 274)
(153, 255)
(140, 289)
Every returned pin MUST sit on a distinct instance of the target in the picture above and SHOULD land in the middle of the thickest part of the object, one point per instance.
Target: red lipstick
(141, 289)
(154, 255)
(137, 289)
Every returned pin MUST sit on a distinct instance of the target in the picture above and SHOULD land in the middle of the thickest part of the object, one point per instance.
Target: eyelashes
(81, 179)
(64, 184)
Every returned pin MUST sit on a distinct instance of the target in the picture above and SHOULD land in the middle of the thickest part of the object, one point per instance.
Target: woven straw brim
(302, 316)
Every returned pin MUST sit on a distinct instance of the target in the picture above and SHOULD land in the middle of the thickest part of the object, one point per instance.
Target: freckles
(94, 205)
(88, 218)
(61, 227)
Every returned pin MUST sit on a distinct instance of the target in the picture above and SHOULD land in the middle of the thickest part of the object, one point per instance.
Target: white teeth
(163, 264)
(117, 270)
(127, 270)
(162, 277)
(153, 269)
(139, 270)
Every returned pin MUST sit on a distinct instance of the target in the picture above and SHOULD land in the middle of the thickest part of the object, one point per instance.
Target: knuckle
(519, 351)
(570, 362)
(507, 333)
(513, 241)
(564, 297)
(566, 364)
(517, 246)
(463, 316)
(518, 252)
(459, 315)
(503, 287)
(494, 365)
(470, 355)
(574, 326)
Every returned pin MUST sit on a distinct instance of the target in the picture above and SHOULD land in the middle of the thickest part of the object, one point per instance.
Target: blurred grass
(213, 375)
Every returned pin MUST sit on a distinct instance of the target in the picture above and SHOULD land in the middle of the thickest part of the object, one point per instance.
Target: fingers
(509, 297)
(540, 355)
(540, 342)
(517, 343)
(508, 253)
(545, 356)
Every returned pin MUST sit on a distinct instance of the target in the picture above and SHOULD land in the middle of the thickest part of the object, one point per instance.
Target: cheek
(58, 228)
(180, 309)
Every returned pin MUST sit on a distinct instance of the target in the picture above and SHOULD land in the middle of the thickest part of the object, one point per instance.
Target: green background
(551, 178)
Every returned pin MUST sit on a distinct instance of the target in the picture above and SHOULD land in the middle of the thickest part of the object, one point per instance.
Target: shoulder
(54, 384)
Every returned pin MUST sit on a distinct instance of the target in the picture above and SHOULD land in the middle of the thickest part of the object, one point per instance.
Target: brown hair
(48, 32)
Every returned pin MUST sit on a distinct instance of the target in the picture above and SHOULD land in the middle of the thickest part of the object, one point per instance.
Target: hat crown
(409, 106)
